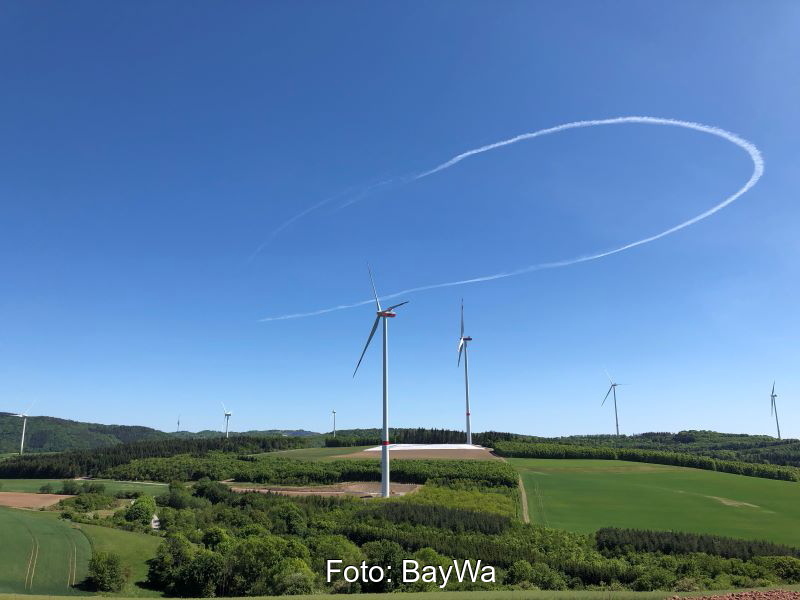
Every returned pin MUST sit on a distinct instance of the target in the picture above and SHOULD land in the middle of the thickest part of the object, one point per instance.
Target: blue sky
(148, 149)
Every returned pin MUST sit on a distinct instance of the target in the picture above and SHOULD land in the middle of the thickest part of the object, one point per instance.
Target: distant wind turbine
(334, 423)
(612, 390)
(774, 409)
(179, 424)
(462, 347)
(227, 415)
(24, 417)
(382, 314)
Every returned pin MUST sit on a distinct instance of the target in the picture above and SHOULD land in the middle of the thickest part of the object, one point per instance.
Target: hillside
(50, 434)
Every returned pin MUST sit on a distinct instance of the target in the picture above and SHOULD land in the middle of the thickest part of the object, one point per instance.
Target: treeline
(91, 463)
(279, 470)
(537, 450)
(452, 519)
(419, 435)
(614, 541)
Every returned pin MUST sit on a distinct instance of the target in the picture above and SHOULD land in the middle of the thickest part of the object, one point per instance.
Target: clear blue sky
(147, 149)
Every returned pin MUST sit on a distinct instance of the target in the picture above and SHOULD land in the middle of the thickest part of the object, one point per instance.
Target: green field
(133, 548)
(112, 487)
(319, 453)
(584, 495)
(40, 553)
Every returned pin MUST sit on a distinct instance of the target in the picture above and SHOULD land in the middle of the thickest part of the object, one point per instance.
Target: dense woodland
(92, 463)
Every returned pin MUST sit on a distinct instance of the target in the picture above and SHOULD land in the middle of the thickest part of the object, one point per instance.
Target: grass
(318, 453)
(584, 495)
(112, 487)
(496, 595)
(40, 553)
(133, 548)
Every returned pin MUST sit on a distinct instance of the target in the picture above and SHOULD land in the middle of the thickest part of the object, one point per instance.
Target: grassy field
(320, 453)
(584, 495)
(112, 487)
(133, 548)
(40, 554)
(498, 595)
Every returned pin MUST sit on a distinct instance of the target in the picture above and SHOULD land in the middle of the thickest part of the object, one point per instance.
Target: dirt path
(525, 517)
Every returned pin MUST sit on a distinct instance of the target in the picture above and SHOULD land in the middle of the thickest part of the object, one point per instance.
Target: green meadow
(585, 495)
(112, 487)
(321, 453)
(134, 549)
(40, 553)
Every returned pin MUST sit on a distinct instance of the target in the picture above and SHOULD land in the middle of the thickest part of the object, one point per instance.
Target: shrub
(106, 573)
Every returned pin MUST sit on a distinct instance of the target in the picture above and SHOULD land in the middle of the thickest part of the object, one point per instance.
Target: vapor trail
(750, 148)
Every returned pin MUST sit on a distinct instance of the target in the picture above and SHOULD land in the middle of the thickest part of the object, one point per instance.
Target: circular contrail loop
(749, 147)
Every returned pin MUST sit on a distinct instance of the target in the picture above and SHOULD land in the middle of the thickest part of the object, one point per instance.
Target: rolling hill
(50, 434)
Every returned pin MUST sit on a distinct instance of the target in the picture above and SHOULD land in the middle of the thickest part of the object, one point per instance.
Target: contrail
(750, 148)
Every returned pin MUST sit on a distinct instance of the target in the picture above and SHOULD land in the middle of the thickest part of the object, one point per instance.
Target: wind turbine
(227, 415)
(334, 423)
(24, 417)
(382, 314)
(612, 389)
(774, 409)
(462, 346)
(179, 425)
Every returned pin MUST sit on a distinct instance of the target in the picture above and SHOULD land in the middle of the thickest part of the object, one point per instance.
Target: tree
(106, 573)
(292, 577)
(47, 488)
(142, 510)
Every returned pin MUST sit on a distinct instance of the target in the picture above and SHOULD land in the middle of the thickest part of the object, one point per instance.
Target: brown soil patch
(751, 595)
(28, 500)
(359, 489)
(476, 454)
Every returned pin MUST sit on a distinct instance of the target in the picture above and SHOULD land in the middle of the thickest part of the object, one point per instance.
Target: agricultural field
(321, 453)
(112, 487)
(40, 553)
(133, 548)
(585, 495)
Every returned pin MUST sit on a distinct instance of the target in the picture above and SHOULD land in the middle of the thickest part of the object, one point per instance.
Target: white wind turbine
(227, 415)
(24, 417)
(334, 422)
(612, 388)
(462, 346)
(382, 314)
(774, 409)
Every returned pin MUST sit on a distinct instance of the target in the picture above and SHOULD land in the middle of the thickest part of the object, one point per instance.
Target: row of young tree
(539, 450)
(278, 470)
(613, 541)
(91, 463)
(417, 435)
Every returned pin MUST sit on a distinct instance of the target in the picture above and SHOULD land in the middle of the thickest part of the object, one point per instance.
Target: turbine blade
(773, 388)
(397, 305)
(369, 339)
(224, 409)
(374, 291)
(609, 376)
(607, 393)
(462, 317)
(460, 350)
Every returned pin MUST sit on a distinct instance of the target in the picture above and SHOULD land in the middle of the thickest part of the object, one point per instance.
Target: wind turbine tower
(227, 415)
(462, 347)
(24, 418)
(773, 409)
(179, 424)
(612, 390)
(383, 314)
(334, 423)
